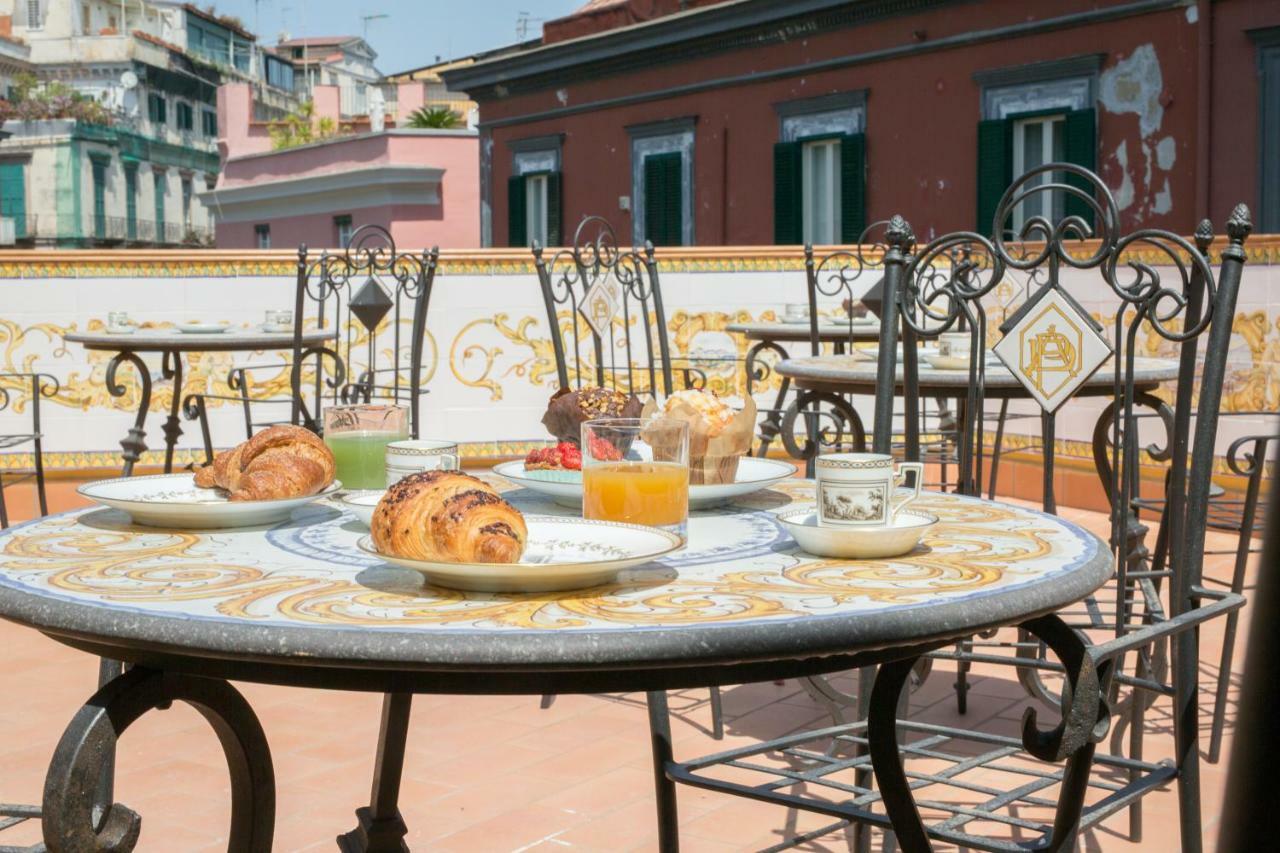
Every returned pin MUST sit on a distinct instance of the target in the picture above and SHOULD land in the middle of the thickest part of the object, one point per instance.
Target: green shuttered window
(819, 189)
(131, 201)
(99, 199)
(534, 211)
(554, 214)
(664, 199)
(1029, 139)
(13, 196)
(517, 231)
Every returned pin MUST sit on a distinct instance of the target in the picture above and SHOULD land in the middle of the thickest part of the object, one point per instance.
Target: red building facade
(746, 122)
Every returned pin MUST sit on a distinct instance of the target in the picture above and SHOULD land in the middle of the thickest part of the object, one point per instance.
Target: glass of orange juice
(636, 470)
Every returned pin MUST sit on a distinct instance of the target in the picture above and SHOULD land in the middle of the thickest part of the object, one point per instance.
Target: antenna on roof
(523, 20)
(367, 19)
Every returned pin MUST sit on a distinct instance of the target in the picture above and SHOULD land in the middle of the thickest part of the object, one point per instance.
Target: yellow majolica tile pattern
(738, 567)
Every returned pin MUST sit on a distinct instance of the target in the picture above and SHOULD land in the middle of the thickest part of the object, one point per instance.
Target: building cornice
(311, 194)
(510, 83)
(695, 33)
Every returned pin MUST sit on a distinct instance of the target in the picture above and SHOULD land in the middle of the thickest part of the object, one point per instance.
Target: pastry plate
(954, 362)
(361, 504)
(203, 328)
(173, 500)
(562, 553)
(754, 474)
(858, 543)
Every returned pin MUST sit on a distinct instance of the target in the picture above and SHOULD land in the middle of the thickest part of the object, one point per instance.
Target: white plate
(172, 500)
(953, 362)
(754, 474)
(121, 330)
(276, 328)
(858, 543)
(562, 553)
(203, 328)
(362, 504)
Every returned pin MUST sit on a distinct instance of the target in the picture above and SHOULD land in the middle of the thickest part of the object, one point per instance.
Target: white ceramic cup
(419, 454)
(858, 489)
(955, 344)
(795, 311)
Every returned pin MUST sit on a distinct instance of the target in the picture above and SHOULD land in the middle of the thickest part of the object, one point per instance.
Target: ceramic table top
(303, 588)
(827, 332)
(859, 371)
(234, 339)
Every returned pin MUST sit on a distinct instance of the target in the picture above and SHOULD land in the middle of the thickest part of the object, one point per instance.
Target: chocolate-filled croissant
(449, 517)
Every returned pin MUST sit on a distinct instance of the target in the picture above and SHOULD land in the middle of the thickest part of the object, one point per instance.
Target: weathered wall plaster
(1134, 85)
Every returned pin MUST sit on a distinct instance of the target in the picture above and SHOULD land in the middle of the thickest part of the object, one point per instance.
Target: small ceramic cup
(413, 455)
(118, 321)
(858, 489)
(795, 311)
(954, 344)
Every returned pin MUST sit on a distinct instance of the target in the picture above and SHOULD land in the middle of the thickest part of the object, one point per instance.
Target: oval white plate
(362, 504)
(202, 328)
(173, 500)
(858, 543)
(754, 474)
(562, 553)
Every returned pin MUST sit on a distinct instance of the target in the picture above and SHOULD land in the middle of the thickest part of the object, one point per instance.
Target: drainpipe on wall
(1204, 94)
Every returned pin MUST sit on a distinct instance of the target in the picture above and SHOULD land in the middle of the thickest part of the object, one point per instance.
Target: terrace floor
(498, 773)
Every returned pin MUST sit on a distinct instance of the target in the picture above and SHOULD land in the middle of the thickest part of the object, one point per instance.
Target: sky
(414, 32)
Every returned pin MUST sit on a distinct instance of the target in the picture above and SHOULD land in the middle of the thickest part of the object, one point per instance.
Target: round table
(768, 337)
(298, 604)
(172, 345)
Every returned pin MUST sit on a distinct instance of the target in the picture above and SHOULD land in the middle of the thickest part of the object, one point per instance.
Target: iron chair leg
(717, 714)
(1229, 639)
(664, 787)
(40, 492)
(4, 510)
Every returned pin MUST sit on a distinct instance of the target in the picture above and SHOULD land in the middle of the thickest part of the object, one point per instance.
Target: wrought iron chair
(931, 293)
(627, 346)
(34, 386)
(607, 320)
(367, 294)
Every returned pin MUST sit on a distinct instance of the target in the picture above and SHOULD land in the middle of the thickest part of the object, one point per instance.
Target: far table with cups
(769, 337)
(854, 374)
(129, 343)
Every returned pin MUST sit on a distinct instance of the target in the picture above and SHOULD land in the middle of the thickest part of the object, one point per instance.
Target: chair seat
(976, 790)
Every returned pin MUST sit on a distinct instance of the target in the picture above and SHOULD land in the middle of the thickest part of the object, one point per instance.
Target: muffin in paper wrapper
(712, 459)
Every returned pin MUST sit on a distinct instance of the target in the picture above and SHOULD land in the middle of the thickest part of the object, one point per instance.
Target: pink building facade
(421, 185)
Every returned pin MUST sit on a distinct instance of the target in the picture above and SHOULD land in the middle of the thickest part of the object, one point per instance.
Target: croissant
(282, 461)
(448, 516)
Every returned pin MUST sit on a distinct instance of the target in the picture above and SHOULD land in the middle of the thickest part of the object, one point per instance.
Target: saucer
(858, 543)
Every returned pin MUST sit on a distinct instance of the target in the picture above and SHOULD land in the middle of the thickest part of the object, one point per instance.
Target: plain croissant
(282, 461)
(448, 516)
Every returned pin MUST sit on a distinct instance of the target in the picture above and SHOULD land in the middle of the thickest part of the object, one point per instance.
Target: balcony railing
(112, 230)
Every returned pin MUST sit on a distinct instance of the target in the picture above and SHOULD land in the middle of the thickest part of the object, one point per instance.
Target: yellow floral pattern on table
(738, 567)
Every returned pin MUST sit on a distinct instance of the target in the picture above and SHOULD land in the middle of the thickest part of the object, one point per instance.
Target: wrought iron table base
(135, 444)
(71, 820)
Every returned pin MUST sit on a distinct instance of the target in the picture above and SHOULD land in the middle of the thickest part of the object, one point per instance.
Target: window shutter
(853, 186)
(1080, 147)
(995, 169)
(663, 193)
(554, 213)
(13, 196)
(788, 219)
(517, 230)
(131, 201)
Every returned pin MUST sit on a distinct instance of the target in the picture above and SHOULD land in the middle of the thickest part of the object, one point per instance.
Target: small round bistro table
(852, 374)
(172, 345)
(769, 337)
(298, 604)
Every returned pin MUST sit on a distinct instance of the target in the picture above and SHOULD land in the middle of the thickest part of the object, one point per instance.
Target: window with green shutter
(131, 201)
(158, 180)
(788, 216)
(517, 232)
(1010, 147)
(157, 108)
(819, 192)
(555, 214)
(13, 196)
(99, 197)
(664, 198)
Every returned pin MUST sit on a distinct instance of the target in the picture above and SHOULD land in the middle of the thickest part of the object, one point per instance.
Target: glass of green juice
(358, 437)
